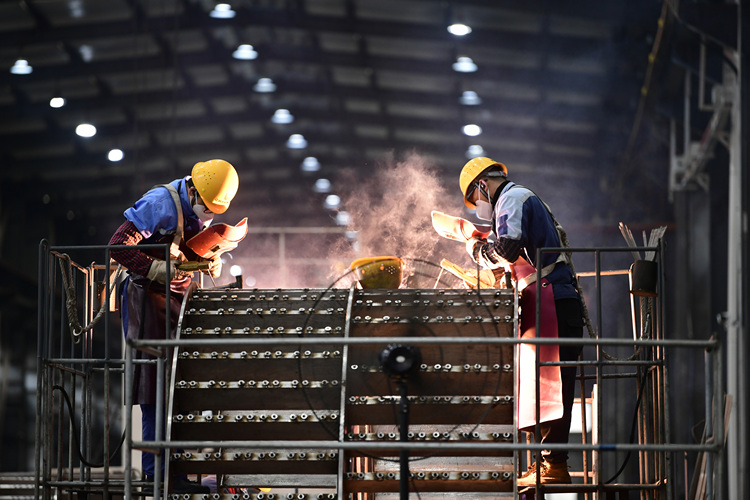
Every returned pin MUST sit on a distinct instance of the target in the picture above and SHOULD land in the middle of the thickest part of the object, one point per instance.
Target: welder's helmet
(472, 170)
(217, 183)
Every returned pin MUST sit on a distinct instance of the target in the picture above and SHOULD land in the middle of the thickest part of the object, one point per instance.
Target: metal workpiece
(279, 391)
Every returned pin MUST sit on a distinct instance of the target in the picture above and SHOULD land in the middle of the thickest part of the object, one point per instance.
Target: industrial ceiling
(366, 82)
(573, 96)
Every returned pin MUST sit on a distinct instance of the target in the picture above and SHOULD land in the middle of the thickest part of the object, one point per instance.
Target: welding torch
(193, 265)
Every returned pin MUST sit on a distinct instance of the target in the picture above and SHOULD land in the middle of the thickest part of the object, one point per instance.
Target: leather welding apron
(550, 381)
(147, 320)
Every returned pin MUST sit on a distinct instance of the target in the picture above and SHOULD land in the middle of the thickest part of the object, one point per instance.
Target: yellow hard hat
(217, 183)
(472, 170)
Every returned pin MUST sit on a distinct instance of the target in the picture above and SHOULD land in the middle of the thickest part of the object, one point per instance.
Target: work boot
(551, 474)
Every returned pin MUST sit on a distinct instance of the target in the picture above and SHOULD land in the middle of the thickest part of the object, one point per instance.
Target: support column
(737, 260)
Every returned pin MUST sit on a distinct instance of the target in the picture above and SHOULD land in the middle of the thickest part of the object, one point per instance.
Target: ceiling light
(332, 201)
(464, 65)
(322, 186)
(115, 155)
(57, 102)
(265, 85)
(245, 52)
(76, 8)
(87, 52)
(21, 67)
(470, 98)
(475, 150)
(296, 141)
(222, 11)
(459, 29)
(472, 130)
(343, 218)
(282, 116)
(86, 130)
(310, 164)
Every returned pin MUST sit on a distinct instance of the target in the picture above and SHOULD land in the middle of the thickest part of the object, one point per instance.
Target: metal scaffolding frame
(77, 368)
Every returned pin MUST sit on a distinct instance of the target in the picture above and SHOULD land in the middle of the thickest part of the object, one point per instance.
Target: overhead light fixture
(310, 164)
(245, 52)
(464, 64)
(115, 155)
(296, 141)
(322, 186)
(472, 130)
(470, 98)
(222, 11)
(86, 52)
(282, 116)
(86, 130)
(475, 150)
(75, 7)
(57, 102)
(264, 85)
(343, 218)
(21, 67)
(459, 29)
(332, 202)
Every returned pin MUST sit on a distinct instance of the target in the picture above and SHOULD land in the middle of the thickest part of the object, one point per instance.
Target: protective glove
(214, 266)
(162, 271)
(473, 248)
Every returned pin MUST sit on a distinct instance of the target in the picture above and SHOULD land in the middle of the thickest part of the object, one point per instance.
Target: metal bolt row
(260, 311)
(261, 384)
(439, 303)
(260, 354)
(262, 417)
(363, 400)
(256, 496)
(252, 456)
(269, 330)
(436, 319)
(435, 436)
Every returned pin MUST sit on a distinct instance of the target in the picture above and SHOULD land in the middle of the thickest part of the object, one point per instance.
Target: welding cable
(75, 432)
(66, 270)
(474, 426)
(642, 382)
(334, 434)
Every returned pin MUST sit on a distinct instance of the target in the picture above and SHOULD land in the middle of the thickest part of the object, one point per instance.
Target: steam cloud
(391, 210)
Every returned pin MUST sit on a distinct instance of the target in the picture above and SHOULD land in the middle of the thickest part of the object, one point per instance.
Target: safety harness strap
(174, 249)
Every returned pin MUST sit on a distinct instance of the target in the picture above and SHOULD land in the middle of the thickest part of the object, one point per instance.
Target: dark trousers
(569, 325)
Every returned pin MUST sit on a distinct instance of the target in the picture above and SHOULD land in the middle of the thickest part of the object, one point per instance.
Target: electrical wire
(75, 433)
(333, 434)
(642, 382)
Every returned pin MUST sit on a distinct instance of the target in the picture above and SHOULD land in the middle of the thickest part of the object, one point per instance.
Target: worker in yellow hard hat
(521, 224)
(167, 214)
